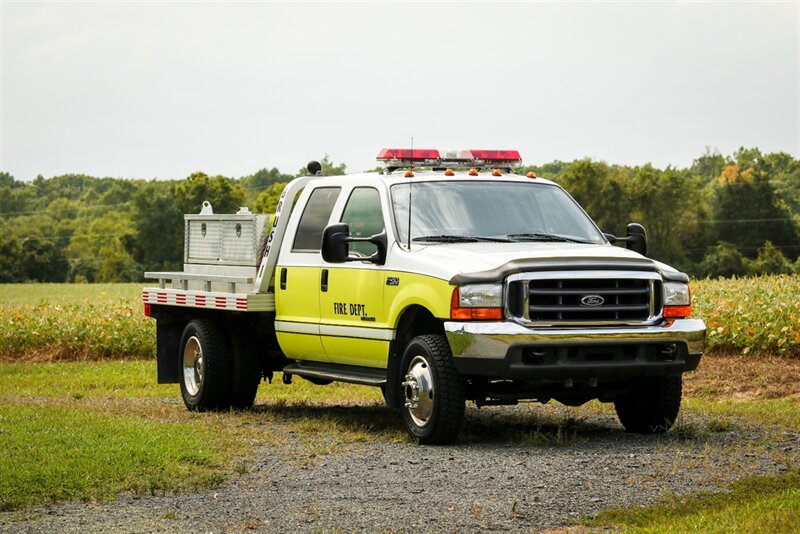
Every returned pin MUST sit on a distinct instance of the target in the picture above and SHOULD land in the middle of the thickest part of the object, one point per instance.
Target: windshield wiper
(545, 237)
(460, 239)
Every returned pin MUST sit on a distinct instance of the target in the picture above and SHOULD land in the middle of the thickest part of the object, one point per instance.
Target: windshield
(475, 211)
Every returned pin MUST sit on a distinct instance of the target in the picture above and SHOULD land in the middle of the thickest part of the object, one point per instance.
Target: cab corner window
(364, 218)
(314, 219)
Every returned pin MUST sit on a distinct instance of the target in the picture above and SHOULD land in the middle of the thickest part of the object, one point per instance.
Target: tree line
(725, 215)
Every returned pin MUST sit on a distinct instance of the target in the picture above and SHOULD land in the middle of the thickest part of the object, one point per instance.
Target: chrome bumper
(483, 340)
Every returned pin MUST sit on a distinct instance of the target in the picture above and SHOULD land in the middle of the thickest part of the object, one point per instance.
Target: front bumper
(507, 350)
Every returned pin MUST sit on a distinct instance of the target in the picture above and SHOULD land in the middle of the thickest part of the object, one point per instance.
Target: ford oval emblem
(592, 300)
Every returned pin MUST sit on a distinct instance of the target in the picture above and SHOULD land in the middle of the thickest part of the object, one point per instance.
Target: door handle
(283, 277)
(323, 285)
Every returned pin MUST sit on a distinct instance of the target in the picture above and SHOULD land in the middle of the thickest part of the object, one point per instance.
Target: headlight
(676, 294)
(481, 296)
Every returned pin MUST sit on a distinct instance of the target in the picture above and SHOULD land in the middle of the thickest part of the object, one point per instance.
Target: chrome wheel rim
(418, 391)
(193, 369)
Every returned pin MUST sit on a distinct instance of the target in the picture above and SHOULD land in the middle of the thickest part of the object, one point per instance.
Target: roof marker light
(531, 174)
(449, 172)
(497, 172)
(473, 172)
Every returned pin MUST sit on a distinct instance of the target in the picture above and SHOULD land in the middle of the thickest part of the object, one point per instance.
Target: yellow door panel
(353, 321)
(361, 352)
(297, 319)
(301, 346)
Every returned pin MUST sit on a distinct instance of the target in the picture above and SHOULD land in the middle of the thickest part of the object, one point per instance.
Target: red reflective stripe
(199, 300)
(180, 298)
(161, 298)
(241, 304)
(221, 302)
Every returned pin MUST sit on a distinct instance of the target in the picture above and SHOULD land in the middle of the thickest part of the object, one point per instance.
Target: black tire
(437, 420)
(652, 406)
(246, 375)
(205, 385)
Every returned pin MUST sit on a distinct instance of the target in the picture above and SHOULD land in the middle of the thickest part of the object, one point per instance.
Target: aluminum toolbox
(224, 239)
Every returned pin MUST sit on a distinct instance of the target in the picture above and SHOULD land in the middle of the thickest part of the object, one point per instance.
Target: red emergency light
(415, 154)
(407, 157)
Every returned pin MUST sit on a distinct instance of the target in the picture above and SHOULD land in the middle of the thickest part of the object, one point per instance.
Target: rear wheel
(652, 406)
(433, 391)
(205, 372)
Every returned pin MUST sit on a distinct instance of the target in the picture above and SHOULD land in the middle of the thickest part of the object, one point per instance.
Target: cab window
(364, 216)
(314, 219)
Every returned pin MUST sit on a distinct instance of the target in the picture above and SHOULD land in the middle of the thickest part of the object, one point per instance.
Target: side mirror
(335, 247)
(636, 239)
(334, 243)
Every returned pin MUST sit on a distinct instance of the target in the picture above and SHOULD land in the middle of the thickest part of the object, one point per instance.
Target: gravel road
(546, 480)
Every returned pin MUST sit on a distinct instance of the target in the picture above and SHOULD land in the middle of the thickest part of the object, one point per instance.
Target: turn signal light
(677, 311)
(148, 309)
(472, 314)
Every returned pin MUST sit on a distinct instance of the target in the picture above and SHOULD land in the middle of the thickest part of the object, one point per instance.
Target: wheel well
(415, 321)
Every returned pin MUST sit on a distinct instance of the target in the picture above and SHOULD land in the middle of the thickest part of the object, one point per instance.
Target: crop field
(752, 316)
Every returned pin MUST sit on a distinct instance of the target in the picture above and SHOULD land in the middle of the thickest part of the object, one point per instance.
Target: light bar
(406, 157)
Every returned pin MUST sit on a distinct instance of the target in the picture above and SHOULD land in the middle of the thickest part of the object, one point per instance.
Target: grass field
(57, 417)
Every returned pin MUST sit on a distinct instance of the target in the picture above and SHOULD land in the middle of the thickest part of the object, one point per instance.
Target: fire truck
(445, 278)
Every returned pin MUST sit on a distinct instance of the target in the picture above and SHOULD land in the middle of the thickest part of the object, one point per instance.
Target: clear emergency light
(395, 158)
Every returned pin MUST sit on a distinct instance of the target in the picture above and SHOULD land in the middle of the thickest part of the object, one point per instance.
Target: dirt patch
(738, 377)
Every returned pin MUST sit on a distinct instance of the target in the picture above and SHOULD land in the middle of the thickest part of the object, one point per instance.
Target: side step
(366, 376)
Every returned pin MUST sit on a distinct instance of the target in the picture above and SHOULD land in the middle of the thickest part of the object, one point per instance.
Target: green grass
(90, 430)
(136, 378)
(784, 411)
(52, 453)
(61, 294)
(754, 504)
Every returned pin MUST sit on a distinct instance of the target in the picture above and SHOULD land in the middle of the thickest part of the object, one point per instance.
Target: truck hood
(476, 262)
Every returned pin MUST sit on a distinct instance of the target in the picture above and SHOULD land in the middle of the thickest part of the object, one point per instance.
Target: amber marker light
(677, 311)
(449, 172)
(409, 174)
(497, 172)
(531, 174)
(473, 172)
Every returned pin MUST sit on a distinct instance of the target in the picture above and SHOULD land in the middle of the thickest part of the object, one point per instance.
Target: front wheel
(433, 391)
(651, 406)
(205, 371)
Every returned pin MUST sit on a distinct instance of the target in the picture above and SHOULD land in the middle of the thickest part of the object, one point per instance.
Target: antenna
(410, 186)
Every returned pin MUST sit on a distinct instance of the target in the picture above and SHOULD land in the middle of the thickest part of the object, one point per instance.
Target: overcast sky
(162, 89)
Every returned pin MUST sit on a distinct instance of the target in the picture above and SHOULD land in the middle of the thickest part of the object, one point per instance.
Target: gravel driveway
(554, 475)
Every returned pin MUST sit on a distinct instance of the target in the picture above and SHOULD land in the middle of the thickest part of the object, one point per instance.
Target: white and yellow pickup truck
(445, 278)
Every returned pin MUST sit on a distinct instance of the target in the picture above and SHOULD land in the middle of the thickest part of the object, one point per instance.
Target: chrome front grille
(584, 297)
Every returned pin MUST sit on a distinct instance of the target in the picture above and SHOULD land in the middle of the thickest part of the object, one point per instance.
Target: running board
(366, 376)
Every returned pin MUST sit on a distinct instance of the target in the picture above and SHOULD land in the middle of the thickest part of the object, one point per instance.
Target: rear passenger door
(297, 284)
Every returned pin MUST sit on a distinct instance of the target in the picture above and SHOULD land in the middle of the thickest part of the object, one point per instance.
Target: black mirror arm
(379, 240)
